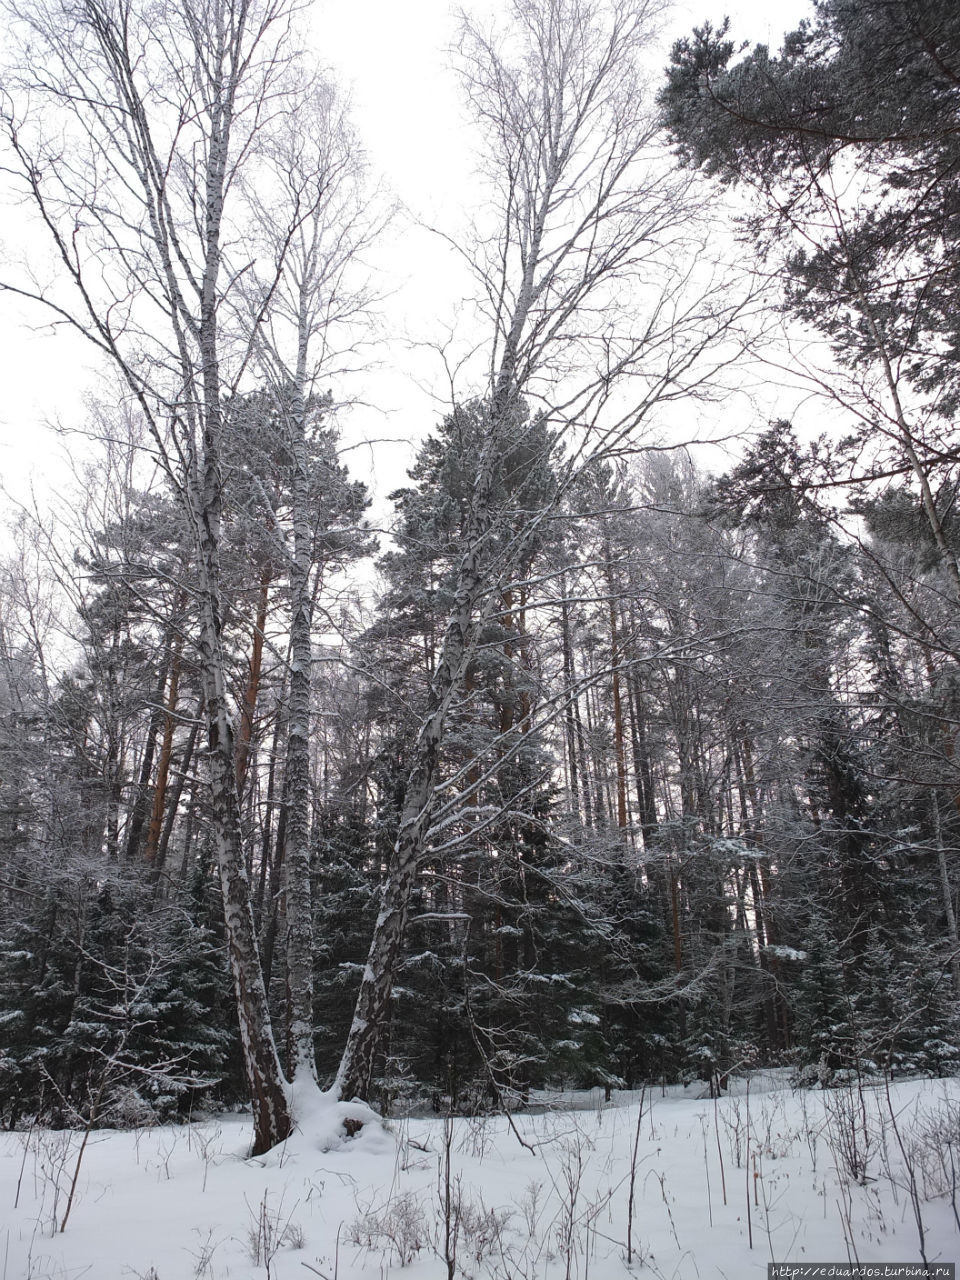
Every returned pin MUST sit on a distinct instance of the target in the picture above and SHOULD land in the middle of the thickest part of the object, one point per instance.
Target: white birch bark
(317, 188)
(159, 108)
(578, 213)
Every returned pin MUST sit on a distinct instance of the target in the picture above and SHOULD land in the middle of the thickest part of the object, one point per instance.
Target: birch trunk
(619, 737)
(264, 1075)
(261, 1062)
(168, 101)
(248, 711)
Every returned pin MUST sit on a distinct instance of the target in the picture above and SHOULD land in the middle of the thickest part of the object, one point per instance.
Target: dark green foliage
(888, 1009)
(630, 958)
(345, 903)
(870, 85)
(498, 991)
(908, 1019)
(826, 1029)
(734, 847)
(114, 1011)
(37, 965)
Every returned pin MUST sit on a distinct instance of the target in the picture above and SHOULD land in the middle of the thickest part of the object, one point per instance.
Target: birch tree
(133, 133)
(594, 317)
(319, 298)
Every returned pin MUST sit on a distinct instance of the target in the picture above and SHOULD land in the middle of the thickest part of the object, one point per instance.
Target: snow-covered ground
(806, 1176)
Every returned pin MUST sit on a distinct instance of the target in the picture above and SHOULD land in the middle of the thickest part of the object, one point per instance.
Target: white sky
(408, 111)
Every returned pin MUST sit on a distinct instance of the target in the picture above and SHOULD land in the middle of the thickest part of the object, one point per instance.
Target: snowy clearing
(809, 1176)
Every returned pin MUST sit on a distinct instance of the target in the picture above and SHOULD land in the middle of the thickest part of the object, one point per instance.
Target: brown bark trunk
(619, 735)
(569, 723)
(163, 764)
(173, 802)
(251, 692)
(138, 816)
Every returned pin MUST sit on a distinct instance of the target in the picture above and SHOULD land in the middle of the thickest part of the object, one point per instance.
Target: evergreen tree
(827, 1033)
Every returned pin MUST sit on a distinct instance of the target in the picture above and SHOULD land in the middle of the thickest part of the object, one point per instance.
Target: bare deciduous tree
(596, 312)
(134, 132)
(315, 181)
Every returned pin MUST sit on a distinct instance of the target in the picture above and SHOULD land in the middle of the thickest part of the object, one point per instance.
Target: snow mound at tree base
(324, 1123)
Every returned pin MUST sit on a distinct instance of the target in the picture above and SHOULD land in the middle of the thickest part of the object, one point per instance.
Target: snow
(323, 1123)
(583, 1017)
(544, 1197)
(785, 953)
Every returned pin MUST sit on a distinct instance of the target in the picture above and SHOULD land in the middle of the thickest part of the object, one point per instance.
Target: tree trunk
(248, 706)
(138, 815)
(373, 1000)
(261, 1064)
(163, 764)
(947, 894)
(619, 735)
(186, 761)
(569, 721)
(299, 901)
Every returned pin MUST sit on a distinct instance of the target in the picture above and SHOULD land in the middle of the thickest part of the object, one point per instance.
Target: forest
(575, 760)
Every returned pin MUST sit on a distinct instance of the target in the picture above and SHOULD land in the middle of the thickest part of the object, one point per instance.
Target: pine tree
(827, 1030)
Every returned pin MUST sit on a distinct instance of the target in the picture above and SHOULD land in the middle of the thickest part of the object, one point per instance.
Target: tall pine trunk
(373, 1001)
(296, 863)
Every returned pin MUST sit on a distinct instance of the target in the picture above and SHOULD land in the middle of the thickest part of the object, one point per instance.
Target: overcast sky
(393, 59)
